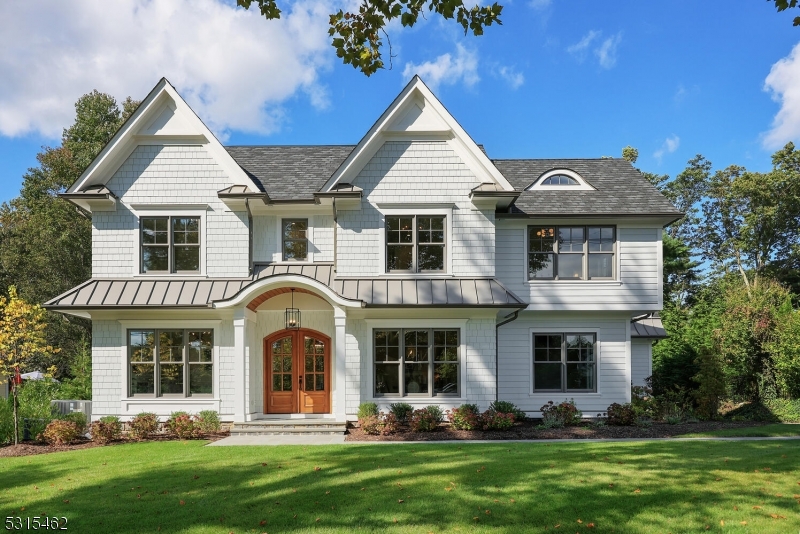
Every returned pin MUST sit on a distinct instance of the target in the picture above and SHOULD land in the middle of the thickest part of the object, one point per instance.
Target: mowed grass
(766, 431)
(636, 487)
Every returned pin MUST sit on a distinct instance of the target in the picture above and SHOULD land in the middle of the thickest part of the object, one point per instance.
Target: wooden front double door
(297, 375)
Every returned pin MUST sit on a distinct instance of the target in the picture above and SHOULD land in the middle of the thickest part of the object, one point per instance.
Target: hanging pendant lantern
(292, 315)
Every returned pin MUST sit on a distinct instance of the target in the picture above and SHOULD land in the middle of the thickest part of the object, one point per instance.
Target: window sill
(549, 395)
(423, 401)
(610, 283)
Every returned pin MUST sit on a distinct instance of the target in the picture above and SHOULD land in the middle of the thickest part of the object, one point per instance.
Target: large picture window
(171, 362)
(416, 362)
(564, 362)
(415, 243)
(170, 244)
(571, 252)
(295, 239)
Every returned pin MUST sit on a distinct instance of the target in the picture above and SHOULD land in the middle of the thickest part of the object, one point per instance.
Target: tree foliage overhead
(783, 5)
(45, 243)
(357, 37)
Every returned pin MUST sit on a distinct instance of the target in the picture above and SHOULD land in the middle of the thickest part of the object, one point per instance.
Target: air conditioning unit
(68, 406)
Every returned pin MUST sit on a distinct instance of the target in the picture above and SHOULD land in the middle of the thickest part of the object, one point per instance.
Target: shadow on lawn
(182, 486)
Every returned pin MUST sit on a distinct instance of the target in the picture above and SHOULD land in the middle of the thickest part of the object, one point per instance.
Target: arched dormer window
(560, 179)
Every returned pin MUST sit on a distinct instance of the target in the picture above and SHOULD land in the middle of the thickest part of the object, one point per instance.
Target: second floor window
(170, 244)
(415, 243)
(571, 252)
(295, 239)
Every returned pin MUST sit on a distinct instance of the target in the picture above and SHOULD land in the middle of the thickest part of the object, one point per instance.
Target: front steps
(288, 427)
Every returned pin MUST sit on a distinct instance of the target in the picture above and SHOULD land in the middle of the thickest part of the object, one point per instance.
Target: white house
(264, 280)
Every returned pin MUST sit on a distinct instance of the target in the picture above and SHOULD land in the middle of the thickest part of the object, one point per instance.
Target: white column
(241, 352)
(339, 381)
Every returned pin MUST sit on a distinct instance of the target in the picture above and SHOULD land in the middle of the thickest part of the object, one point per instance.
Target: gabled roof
(619, 189)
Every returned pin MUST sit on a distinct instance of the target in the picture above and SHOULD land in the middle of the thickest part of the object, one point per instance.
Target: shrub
(673, 419)
(621, 414)
(435, 412)
(507, 407)
(6, 422)
(35, 411)
(492, 420)
(379, 424)
(106, 430)
(182, 425)
(465, 417)
(60, 432)
(366, 409)
(423, 420)
(79, 418)
(642, 402)
(208, 422)
(401, 410)
(558, 415)
(143, 425)
(675, 404)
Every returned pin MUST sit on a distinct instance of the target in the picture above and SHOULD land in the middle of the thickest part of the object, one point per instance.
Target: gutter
(335, 231)
(497, 352)
(249, 237)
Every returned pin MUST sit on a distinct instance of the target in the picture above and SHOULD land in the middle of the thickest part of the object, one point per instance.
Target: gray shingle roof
(290, 172)
(620, 189)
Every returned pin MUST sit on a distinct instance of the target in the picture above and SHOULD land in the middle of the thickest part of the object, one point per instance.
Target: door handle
(300, 381)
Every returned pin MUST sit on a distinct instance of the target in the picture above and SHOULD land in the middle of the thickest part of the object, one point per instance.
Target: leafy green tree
(783, 5)
(45, 242)
(357, 36)
(784, 346)
(681, 274)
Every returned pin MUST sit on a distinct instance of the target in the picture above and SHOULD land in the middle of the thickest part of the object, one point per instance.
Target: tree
(783, 5)
(45, 243)
(357, 36)
(21, 338)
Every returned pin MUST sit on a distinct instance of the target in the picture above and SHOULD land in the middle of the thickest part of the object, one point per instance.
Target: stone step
(288, 427)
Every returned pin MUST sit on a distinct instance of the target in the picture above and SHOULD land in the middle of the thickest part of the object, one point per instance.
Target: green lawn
(766, 431)
(636, 487)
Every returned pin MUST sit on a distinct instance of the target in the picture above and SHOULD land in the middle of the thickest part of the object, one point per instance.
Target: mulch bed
(529, 430)
(28, 448)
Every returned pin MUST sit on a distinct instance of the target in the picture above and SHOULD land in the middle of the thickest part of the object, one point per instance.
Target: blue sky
(557, 79)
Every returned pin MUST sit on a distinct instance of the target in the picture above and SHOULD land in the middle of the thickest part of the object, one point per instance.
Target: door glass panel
(287, 382)
(309, 363)
(320, 382)
(320, 364)
(282, 364)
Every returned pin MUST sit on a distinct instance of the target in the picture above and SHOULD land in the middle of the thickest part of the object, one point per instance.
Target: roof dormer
(560, 180)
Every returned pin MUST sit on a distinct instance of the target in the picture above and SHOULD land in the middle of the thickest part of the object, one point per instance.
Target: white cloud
(513, 77)
(783, 82)
(607, 51)
(540, 5)
(680, 94)
(670, 145)
(579, 49)
(232, 66)
(447, 69)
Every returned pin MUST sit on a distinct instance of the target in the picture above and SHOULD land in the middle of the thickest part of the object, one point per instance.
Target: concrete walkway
(339, 439)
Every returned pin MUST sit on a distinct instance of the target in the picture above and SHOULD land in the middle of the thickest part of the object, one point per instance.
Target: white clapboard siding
(613, 356)
(638, 286)
(641, 360)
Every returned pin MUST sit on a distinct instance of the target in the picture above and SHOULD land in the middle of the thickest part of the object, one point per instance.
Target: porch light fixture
(292, 315)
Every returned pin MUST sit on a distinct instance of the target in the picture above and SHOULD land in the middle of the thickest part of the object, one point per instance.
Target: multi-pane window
(560, 179)
(571, 252)
(415, 243)
(170, 244)
(416, 362)
(171, 362)
(295, 239)
(564, 362)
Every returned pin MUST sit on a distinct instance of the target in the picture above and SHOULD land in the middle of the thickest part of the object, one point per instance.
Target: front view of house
(276, 281)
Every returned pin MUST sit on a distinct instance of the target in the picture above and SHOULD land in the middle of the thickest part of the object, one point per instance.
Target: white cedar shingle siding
(168, 174)
(638, 274)
(107, 382)
(410, 172)
(516, 359)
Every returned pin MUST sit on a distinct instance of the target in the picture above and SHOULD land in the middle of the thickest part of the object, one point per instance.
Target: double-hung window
(174, 362)
(564, 362)
(170, 244)
(295, 239)
(415, 243)
(571, 252)
(416, 362)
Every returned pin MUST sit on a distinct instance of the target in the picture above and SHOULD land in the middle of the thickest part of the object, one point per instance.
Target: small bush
(106, 430)
(208, 422)
(6, 421)
(673, 419)
(423, 420)
(785, 410)
(643, 403)
(507, 407)
(143, 426)
(621, 414)
(401, 411)
(60, 432)
(182, 425)
(79, 418)
(465, 417)
(366, 409)
(562, 414)
(381, 424)
(491, 420)
(436, 412)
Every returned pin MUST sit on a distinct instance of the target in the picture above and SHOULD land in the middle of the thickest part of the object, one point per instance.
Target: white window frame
(614, 280)
(446, 212)
(411, 324)
(170, 211)
(583, 185)
(277, 256)
(598, 349)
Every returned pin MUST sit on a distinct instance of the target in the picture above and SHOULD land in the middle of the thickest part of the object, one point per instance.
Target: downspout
(249, 237)
(335, 224)
(497, 352)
